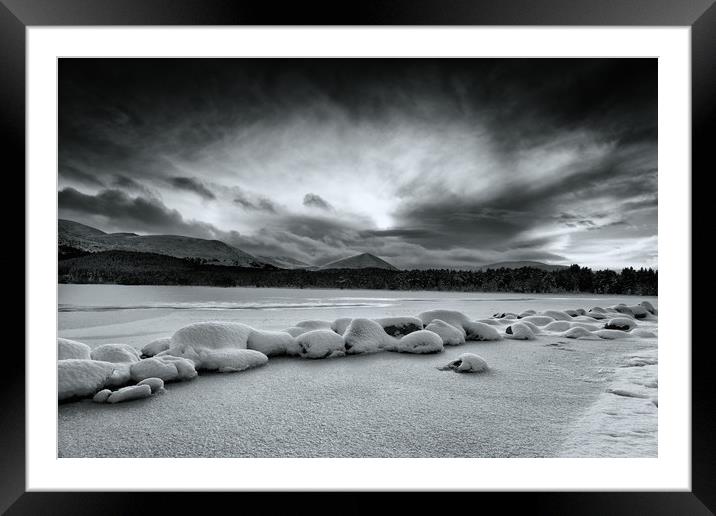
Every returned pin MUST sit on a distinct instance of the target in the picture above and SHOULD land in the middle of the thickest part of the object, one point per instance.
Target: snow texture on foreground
(621, 422)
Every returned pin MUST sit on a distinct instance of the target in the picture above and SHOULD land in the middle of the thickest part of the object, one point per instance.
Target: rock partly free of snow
(452, 317)
(419, 342)
(450, 335)
(321, 344)
(505, 315)
(79, 378)
(341, 324)
(156, 346)
(231, 360)
(67, 349)
(400, 326)
(314, 325)
(155, 384)
(649, 307)
(364, 336)
(638, 311)
(133, 392)
(272, 343)
(519, 331)
(620, 323)
(467, 363)
(539, 320)
(101, 396)
(116, 353)
(477, 331)
(167, 368)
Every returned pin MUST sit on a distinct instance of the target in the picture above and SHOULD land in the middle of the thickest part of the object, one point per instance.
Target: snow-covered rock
(167, 368)
(321, 344)
(526, 313)
(133, 392)
(421, 341)
(116, 353)
(295, 331)
(642, 333)
(539, 320)
(558, 326)
(212, 335)
(67, 349)
(230, 360)
(155, 384)
(597, 315)
(622, 309)
(186, 369)
(340, 325)
(400, 326)
(272, 343)
(620, 323)
(452, 317)
(156, 346)
(480, 331)
(314, 325)
(450, 335)
(101, 396)
(577, 332)
(467, 363)
(364, 336)
(557, 315)
(79, 378)
(519, 331)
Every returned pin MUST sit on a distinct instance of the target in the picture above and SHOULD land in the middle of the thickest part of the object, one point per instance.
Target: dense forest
(129, 268)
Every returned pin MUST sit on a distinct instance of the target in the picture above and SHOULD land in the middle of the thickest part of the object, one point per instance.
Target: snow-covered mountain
(359, 261)
(284, 262)
(88, 239)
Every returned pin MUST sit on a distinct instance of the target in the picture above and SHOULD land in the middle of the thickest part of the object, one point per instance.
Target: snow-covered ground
(544, 397)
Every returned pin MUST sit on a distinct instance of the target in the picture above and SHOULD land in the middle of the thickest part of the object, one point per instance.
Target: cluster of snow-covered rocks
(111, 373)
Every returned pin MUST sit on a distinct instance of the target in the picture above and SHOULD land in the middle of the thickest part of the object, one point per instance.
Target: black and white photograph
(357, 257)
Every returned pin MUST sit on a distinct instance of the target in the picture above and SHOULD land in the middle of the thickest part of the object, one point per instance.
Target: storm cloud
(424, 162)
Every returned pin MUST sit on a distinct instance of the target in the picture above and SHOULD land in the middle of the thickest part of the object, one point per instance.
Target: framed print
(414, 250)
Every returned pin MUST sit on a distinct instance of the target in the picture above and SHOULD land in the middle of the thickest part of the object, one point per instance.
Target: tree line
(129, 268)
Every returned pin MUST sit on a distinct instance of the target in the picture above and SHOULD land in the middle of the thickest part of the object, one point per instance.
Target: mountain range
(76, 239)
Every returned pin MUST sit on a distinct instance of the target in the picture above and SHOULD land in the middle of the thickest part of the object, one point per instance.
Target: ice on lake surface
(547, 397)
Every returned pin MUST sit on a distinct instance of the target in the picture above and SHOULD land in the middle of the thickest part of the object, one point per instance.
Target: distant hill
(359, 261)
(525, 263)
(284, 262)
(75, 239)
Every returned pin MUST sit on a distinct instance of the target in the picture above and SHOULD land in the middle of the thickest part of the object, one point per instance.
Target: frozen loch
(209, 372)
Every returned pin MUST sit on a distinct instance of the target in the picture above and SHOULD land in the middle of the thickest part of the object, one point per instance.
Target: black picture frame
(17, 15)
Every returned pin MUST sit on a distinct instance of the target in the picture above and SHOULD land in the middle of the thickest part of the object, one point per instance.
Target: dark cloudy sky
(424, 162)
